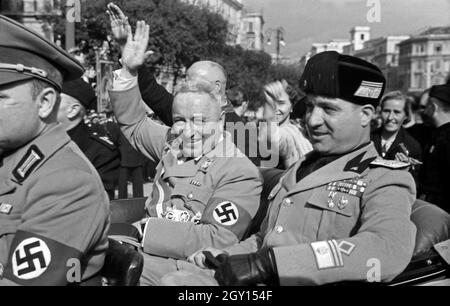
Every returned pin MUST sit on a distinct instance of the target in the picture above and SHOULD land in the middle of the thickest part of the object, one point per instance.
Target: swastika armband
(228, 215)
(37, 260)
(329, 254)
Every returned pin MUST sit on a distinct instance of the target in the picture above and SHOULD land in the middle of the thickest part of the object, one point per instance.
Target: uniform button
(287, 202)
(331, 204)
(190, 196)
(279, 229)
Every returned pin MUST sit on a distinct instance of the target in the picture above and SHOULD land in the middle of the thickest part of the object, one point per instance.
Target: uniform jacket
(412, 145)
(101, 151)
(435, 174)
(54, 213)
(338, 221)
(207, 201)
(415, 151)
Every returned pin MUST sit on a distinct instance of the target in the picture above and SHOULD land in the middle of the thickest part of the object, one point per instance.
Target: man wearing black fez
(102, 151)
(53, 210)
(333, 211)
(434, 180)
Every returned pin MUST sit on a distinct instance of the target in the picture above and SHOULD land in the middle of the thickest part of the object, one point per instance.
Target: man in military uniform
(160, 100)
(53, 210)
(77, 96)
(435, 173)
(337, 212)
(206, 191)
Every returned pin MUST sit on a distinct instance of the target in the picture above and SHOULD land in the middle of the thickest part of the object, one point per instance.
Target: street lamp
(279, 39)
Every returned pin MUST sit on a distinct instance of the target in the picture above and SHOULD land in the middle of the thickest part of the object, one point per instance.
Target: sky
(311, 21)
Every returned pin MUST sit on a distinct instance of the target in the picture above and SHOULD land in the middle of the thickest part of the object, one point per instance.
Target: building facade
(358, 37)
(251, 35)
(424, 60)
(386, 57)
(31, 13)
(334, 45)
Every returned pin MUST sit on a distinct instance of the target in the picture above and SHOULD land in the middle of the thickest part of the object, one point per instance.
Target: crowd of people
(350, 169)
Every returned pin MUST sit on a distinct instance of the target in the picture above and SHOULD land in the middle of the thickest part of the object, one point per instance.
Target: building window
(420, 49)
(362, 36)
(29, 6)
(417, 81)
(438, 49)
(250, 26)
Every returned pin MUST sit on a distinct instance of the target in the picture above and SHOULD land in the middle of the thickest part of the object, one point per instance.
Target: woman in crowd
(391, 140)
(284, 135)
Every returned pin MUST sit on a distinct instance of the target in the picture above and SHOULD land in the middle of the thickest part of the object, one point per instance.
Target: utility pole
(279, 40)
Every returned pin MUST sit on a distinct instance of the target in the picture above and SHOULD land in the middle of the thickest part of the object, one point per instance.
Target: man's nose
(391, 116)
(314, 119)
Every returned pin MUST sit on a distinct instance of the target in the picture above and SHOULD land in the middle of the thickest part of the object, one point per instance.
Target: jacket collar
(224, 148)
(351, 165)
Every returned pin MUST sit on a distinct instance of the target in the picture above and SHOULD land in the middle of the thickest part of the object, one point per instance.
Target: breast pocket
(194, 198)
(333, 215)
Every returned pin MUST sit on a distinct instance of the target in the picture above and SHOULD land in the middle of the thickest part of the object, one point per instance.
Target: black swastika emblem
(226, 213)
(31, 258)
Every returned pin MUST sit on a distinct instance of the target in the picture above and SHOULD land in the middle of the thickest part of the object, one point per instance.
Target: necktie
(384, 150)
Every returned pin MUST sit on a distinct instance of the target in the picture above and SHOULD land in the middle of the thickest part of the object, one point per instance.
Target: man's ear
(218, 85)
(73, 111)
(47, 102)
(367, 112)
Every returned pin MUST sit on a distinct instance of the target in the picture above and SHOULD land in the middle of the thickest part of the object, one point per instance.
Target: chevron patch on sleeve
(329, 254)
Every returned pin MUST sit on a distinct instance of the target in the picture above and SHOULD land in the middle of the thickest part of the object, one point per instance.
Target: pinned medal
(205, 165)
(177, 215)
(330, 201)
(355, 186)
(195, 183)
(184, 216)
(196, 219)
(5, 208)
(343, 202)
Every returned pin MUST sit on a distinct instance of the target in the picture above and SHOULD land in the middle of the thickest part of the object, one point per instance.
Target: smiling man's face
(197, 119)
(335, 126)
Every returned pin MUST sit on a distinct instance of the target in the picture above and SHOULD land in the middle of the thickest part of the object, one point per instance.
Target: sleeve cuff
(165, 238)
(120, 83)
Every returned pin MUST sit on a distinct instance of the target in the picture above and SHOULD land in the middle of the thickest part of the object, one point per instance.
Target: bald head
(211, 72)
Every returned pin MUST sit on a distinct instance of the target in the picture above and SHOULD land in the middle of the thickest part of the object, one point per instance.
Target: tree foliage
(180, 34)
(290, 73)
(245, 69)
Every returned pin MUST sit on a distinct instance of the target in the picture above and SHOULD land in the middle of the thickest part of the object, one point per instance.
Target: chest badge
(343, 202)
(205, 165)
(330, 201)
(354, 187)
(195, 183)
(28, 163)
(5, 208)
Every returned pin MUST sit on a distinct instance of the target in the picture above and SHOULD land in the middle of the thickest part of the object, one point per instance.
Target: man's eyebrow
(328, 104)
